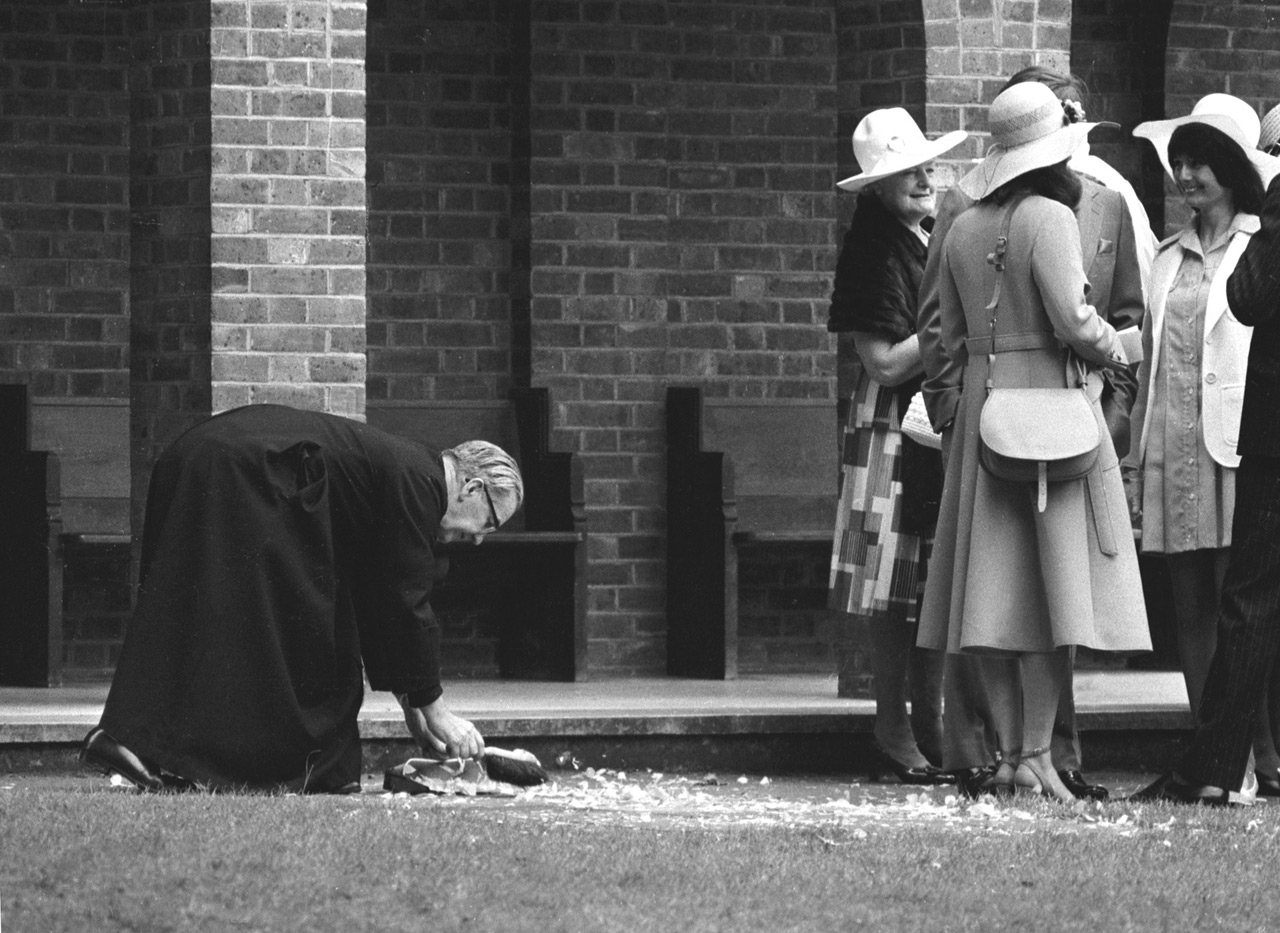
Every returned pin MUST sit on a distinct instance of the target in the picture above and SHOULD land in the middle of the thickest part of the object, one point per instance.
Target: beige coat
(1004, 576)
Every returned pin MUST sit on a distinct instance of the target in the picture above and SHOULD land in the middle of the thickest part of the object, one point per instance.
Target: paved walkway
(752, 705)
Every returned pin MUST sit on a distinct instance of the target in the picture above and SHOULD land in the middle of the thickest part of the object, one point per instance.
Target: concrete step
(780, 722)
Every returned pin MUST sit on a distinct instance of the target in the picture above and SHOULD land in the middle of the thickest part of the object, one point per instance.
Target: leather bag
(1034, 435)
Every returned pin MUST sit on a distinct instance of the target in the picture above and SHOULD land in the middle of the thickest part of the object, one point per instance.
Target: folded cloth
(464, 777)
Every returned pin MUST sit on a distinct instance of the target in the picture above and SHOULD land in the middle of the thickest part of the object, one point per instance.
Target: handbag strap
(996, 260)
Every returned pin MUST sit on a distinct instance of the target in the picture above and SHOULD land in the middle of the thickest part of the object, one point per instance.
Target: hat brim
(1002, 166)
(1160, 132)
(895, 162)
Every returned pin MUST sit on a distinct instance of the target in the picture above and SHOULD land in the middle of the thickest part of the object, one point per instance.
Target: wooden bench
(541, 589)
(30, 551)
(740, 472)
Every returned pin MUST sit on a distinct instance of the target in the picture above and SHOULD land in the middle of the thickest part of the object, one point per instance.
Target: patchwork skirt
(877, 567)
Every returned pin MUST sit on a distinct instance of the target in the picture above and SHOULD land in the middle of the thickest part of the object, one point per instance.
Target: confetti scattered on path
(653, 799)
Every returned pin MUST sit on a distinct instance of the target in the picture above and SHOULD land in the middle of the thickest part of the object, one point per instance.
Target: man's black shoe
(104, 753)
(972, 782)
(1079, 787)
(1172, 788)
(1268, 785)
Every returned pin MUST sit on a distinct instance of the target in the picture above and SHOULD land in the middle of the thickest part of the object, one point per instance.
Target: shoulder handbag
(1028, 435)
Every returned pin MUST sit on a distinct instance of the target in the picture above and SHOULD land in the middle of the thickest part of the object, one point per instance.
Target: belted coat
(1003, 575)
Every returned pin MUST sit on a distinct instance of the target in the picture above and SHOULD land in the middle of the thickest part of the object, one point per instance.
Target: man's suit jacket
(1109, 248)
(1253, 292)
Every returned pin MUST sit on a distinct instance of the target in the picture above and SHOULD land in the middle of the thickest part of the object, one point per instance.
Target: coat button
(1211, 378)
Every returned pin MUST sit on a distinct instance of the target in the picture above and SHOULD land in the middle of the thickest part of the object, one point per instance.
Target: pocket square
(1106, 246)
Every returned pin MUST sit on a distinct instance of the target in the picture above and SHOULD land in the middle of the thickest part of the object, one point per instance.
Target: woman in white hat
(877, 565)
(1186, 418)
(1009, 577)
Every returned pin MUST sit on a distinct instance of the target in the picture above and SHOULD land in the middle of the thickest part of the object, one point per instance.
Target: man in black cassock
(285, 552)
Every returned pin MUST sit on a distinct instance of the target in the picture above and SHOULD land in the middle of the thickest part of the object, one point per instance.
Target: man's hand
(438, 730)
(1133, 492)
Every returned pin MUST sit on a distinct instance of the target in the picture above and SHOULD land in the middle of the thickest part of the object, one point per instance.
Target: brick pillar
(287, 199)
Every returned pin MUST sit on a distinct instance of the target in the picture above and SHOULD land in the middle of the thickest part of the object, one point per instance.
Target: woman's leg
(891, 644)
(924, 675)
(1002, 680)
(1196, 584)
(1044, 676)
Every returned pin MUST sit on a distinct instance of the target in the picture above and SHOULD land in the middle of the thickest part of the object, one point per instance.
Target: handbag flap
(1038, 424)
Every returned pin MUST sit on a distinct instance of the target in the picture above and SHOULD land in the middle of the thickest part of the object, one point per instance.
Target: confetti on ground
(616, 798)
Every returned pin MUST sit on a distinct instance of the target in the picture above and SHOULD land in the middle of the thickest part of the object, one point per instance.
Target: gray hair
(491, 464)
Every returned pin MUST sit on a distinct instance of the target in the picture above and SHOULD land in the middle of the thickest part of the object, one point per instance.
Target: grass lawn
(629, 853)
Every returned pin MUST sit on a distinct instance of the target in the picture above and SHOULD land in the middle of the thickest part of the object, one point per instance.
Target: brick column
(287, 201)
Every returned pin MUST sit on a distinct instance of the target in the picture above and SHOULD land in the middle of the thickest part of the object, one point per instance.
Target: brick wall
(440, 177)
(64, 168)
(683, 162)
(972, 48)
(170, 227)
(783, 620)
(64, 256)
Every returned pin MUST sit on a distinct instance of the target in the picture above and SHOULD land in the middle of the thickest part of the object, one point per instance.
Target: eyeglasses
(493, 513)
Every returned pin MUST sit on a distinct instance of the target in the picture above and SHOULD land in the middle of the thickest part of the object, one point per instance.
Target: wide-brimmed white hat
(1027, 133)
(1224, 112)
(888, 141)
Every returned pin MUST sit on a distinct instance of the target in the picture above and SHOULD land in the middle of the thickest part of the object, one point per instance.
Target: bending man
(285, 555)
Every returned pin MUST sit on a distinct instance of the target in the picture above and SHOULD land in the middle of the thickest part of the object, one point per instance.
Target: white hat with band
(1027, 133)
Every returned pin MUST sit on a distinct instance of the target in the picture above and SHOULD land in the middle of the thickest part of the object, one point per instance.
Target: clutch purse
(916, 425)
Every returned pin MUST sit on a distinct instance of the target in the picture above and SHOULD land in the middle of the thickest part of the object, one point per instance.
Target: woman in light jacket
(1191, 382)
(1008, 580)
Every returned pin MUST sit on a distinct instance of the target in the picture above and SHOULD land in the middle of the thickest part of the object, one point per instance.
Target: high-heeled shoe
(1000, 784)
(883, 763)
(1033, 780)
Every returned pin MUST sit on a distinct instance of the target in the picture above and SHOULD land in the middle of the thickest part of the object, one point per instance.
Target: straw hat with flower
(888, 141)
(1027, 133)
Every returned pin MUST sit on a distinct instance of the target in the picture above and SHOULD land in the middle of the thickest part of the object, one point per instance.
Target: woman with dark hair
(1182, 464)
(1020, 574)
(880, 542)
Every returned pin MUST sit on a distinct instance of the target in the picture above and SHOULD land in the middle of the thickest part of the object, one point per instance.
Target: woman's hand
(437, 729)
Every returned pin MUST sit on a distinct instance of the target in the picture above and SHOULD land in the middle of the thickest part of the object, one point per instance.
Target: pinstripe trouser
(1248, 631)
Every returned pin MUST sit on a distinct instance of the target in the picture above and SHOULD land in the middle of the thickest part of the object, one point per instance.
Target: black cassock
(281, 548)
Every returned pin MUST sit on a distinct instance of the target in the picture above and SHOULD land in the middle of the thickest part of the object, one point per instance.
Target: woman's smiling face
(908, 195)
(1197, 182)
